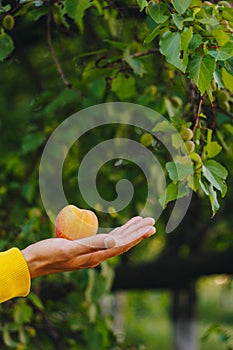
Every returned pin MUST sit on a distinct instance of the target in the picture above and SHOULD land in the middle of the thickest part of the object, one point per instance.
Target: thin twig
(198, 114)
(144, 53)
(54, 56)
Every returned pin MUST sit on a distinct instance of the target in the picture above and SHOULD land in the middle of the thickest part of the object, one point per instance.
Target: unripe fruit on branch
(196, 158)
(223, 96)
(190, 146)
(8, 22)
(176, 101)
(146, 139)
(75, 223)
(186, 134)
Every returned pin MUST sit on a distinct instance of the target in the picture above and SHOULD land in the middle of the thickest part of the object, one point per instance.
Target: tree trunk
(119, 319)
(184, 321)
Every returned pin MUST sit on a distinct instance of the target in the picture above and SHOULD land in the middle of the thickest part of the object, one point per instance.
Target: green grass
(147, 319)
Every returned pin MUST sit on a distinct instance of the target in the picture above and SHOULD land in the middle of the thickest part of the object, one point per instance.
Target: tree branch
(197, 116)
(54, 56)
(167, 272)
(172, 272)
(144, 53)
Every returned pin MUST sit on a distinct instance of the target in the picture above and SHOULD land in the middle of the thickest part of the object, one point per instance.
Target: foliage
(194, 37)
(58, 57)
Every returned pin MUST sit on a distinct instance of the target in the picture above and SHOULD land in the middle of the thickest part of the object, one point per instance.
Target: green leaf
(28, 191)
(186, 36)
(216, 168)
(216, 174)
(212, 22)
(165, 127)
(142, 4)
(92, 53)
(181, 5)
(36, 13)
(124, 87)
(221, 37)
(36, 301)
(153, 34)
(201, 71)
(91, 72)
(170, 47)
(227, 14)
(204, 186)
(178, 20)
(159, 12)
(134, 63)
(227, 80)
(172, 192)
(218, 79)
(22, 313)
(213, 200)
(213, 179)
(212, 149)
(195, 42)
(225, 52)
(229, 65)
(228, 128)
(211, 193)
(66, 96)
(118, 44)
(32, 141)
(178, 171)
(6, 45)
(76, 10)
(7, 339)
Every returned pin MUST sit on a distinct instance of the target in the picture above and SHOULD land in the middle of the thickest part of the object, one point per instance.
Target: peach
(75, 223)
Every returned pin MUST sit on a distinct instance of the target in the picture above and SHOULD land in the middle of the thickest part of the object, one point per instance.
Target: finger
(95, 243)
(132, 221)
(129, 223)
(130, 231)
(91, 260)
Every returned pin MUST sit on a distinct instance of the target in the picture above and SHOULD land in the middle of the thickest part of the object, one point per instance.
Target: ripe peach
(75, 223)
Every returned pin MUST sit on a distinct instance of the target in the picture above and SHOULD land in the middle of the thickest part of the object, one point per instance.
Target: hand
(59, 255)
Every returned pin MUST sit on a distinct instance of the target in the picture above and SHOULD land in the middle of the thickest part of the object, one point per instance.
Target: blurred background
(173, 291)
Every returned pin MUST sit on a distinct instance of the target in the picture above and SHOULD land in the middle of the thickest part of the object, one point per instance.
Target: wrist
(32, 262)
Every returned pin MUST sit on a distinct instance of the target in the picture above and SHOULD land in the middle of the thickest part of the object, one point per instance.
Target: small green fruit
(222, 96)
(196, 158)
(226, 106)
(151, 90)
(213, 85)
(146, 139)
(8, 22)
(190, 146)
(186, 134)
(176, 101)
(168, 74)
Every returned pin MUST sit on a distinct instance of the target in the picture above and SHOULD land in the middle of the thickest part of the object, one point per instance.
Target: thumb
(95, 243)
(109, 242)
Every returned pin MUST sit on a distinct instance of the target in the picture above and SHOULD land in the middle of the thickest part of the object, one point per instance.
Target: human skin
(60, 255)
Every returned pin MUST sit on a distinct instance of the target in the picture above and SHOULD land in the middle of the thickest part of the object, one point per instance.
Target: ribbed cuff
(15, 280)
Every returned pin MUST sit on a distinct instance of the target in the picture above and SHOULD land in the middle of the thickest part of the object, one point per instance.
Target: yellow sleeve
(15, 280)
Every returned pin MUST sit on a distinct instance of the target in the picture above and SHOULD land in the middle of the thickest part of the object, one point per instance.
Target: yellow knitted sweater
(15, 278)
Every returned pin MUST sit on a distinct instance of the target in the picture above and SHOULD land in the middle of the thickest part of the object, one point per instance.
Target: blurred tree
(60, 56)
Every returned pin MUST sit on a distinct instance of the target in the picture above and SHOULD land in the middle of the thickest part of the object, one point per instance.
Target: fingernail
(109, 242)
